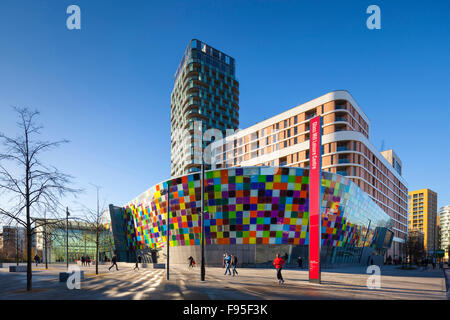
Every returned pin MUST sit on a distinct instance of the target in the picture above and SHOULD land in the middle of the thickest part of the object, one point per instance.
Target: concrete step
(17, 268)
(141, 265)
(8, 264)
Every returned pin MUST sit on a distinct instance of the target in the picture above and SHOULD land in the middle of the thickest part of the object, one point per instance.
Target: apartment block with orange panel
(423, 216)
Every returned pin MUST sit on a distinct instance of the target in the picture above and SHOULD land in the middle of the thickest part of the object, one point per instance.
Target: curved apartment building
(283, 140)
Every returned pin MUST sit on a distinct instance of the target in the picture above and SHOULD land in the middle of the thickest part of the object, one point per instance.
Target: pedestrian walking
(114, 262)
(279, 263)
(88, 261)
(228, 263)
(300, 262)
(36, 259)
(424, 264)
(138, 260)
(191, 262)
(83, 260)
(224, 263)
(433, 262)
(234, 261)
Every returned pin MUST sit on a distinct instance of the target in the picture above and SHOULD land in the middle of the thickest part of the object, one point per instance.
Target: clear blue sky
(107, 86)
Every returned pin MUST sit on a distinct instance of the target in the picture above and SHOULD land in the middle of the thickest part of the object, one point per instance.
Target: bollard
(63, 276)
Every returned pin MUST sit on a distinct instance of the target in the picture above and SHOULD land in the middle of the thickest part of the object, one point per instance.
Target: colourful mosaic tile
(254, 205)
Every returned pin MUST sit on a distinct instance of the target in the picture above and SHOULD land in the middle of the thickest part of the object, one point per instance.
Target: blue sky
(107, 87)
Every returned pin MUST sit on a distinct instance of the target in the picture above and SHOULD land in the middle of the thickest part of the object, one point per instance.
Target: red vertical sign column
(315, 160)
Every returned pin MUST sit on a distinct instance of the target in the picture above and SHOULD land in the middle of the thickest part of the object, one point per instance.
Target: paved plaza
(251, 283)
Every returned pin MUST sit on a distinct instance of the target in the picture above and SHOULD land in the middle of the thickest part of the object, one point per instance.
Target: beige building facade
(283, 140)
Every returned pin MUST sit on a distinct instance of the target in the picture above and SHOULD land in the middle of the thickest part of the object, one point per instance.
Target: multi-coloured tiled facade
(253, 205)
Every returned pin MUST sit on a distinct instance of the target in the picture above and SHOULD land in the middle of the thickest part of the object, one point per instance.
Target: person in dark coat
(138, 260)
(300, 262)
(191, 262)
(234, 262)
(114, 262)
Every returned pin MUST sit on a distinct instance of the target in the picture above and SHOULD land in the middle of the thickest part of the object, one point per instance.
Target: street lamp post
(202, 270)
(67, 236)
(168, 231)
(45, 239)
(17, 243)
(202, 208)
(364, 243)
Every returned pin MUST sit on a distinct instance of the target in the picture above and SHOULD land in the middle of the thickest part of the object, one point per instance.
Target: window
(295, 120)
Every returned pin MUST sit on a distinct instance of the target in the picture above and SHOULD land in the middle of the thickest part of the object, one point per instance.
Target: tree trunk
(28, 206)
(96, 255)
(29, 245)
(17, 245)
(45, 245)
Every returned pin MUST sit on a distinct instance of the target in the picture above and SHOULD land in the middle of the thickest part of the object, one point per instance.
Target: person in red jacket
(279, 263)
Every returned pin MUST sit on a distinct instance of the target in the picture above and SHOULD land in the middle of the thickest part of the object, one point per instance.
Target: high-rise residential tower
(423, 214)
(205, 96)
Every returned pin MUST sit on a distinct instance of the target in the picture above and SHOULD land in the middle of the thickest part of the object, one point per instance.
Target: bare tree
(94, 218)
(29, 185)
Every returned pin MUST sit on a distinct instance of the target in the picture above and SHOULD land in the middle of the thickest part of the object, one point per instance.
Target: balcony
(340, 127)
(340, 119)
(192, 84)
(342, 173)
(342, 148)
(340, 107)
(343, 160)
